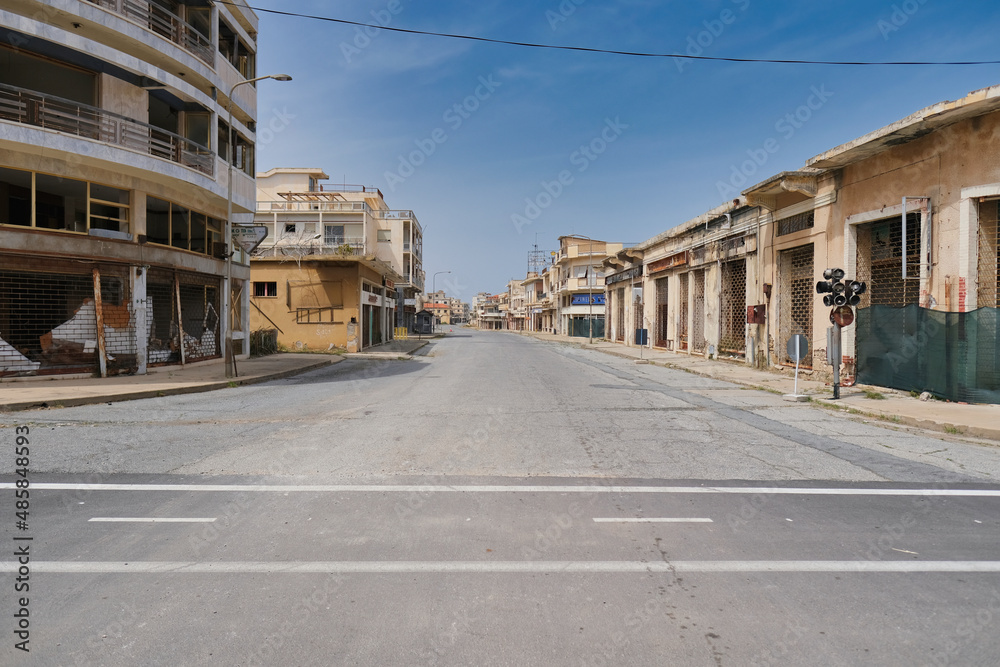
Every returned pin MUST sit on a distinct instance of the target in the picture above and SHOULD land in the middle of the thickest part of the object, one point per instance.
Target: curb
(171, 391)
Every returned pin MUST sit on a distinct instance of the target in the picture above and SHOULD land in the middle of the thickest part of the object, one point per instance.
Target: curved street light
(231, 149)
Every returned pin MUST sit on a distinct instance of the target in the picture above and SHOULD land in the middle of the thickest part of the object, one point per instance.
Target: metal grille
(796, 223)
(682, 323)
(989, 255)
(620, 314)
(880, 261)
(795, 272)
(661, 312)
(733, 311)
(698, 313)
(48, 321)
(182, 307)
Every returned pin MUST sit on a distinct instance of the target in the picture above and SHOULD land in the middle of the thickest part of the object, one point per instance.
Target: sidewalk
(63, 392)
(977, 421)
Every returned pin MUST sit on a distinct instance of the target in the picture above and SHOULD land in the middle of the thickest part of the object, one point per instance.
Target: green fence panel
(951, 355)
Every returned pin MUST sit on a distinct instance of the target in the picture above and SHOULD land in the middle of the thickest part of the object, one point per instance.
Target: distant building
(577, 284)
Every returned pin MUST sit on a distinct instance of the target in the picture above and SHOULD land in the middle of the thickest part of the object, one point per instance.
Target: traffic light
(838, 293)
(832, 288)
(855, 288)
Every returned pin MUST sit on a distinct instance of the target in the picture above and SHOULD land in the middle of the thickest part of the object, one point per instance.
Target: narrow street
(501, 500)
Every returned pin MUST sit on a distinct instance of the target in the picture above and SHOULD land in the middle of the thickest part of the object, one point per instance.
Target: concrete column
(138, 276)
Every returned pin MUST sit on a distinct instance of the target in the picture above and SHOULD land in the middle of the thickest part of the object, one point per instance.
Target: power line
(638, 54)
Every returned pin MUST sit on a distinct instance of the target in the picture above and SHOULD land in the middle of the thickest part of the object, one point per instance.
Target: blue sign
(583, 300)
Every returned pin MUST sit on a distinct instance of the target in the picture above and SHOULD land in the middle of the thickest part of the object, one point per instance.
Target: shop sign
(249, 237)
(582, 300)
(670, 262)
(621, 276)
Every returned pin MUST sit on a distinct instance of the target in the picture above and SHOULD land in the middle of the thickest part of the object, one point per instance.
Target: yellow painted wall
(311, 285)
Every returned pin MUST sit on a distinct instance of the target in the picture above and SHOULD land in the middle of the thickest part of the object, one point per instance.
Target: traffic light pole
(836, 360)
(843, 297)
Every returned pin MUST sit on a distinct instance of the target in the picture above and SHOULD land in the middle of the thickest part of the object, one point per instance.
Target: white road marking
(439, 488)
(498, 567)
(649, 520)
(127, 519)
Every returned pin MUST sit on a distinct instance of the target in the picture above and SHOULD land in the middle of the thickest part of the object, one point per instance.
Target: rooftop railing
(335, 206)
(61, 115)
(327, 187)
(394, 214)
(164, 23)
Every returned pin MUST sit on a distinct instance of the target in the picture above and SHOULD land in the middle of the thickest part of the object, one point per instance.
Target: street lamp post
(228, 291)
(434, 281)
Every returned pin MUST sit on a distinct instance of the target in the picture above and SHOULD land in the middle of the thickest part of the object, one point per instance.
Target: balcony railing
(348, 206)
(394, 215)
(339, 248)
(163, 23)
(55, 113)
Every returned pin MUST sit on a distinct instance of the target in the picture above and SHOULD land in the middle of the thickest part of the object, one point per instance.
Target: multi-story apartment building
(439, 306)
(491, 310)
(459, 310)
(516, 312)
(114, 181)
(533, 296)
(350, 236)
(577, 285)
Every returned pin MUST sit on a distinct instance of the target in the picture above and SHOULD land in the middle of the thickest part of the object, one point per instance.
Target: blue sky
(496, 146)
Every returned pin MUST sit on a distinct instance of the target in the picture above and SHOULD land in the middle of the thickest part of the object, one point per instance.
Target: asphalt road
(497, 501)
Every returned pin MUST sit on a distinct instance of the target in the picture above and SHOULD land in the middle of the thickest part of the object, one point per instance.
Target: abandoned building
(911, 209)
(114, 162)
(338, 268)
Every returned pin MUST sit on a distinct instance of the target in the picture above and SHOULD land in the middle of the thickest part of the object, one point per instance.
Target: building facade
(114, 163)
(577, 286)
(910, 209)
(348, 236)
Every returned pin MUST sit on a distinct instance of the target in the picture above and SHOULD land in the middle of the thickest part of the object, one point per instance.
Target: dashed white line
(649, 520)
(136, 519)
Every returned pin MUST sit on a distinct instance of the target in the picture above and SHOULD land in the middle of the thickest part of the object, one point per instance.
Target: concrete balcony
(56, 114)
(165, 24)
